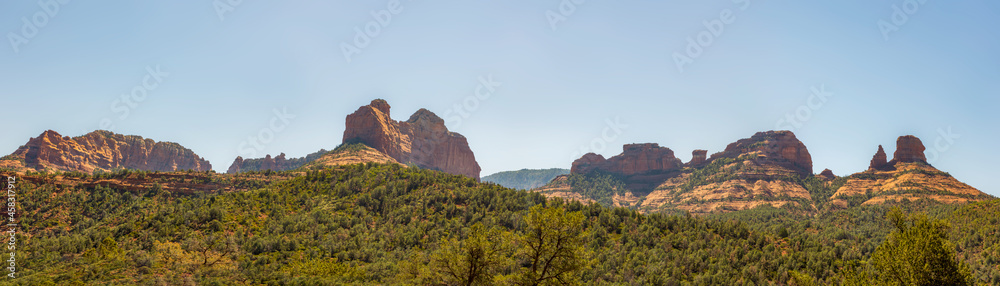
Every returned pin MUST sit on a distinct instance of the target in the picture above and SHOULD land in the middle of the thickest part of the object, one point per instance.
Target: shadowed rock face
(103, 150)
(909, 149)
(641, 166)
(636, 159)
(422, 140)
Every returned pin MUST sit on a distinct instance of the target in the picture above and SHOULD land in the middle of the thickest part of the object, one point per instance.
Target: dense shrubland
(388, 224)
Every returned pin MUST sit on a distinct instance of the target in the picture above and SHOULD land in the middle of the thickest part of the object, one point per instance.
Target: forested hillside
(387, 224)
(525, 179)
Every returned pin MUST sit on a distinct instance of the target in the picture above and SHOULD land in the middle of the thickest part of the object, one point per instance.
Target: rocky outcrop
(907, 177)
(772, 148)
(699, 158)
(587, 163)
(103, 150)
(422, 140)
(749, 172)
(827, 174)
(635, 159)
(760, 170)
(910, 181)
(879, 160)
(909, 149)
(278, 163)
(640, 166)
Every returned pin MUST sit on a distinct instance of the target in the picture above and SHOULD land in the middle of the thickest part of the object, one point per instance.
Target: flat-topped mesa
(640, 166)
(779, 148)
(635, 159)
(423, 139)
(909, 149)
(103, 150)
(699, 158)
(879, 160)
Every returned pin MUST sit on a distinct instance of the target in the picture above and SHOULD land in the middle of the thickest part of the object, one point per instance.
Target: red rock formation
(422, 140)
(640, 166)
(587, 163)
(103, 150)
(879, 160)
(267, 163)
(908, 149)
(698, 159)
(237, 166)
(779, 148)
(827, 174)
(636, 159)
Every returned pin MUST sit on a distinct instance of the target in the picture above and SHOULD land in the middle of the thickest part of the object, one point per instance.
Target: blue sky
(224, 70)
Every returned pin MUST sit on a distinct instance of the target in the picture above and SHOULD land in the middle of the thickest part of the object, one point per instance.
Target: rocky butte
(699, 158)
(102, 150)
(750, 172)
(907, 177)
(909, 149)
(422, 140)
(641, 166)
(777, 148)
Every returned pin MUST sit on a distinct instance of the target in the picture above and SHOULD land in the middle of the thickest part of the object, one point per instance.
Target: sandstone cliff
(640, 166)
(699, 158)
(422, 140)
(909, 149)
(777, 148)
(102, 150)
(762, 169)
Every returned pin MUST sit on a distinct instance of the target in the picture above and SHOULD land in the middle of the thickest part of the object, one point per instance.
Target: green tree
(477, 260)
(553, 247)
(917, 252)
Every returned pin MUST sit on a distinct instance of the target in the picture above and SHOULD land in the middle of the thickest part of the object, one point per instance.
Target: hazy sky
(554, 77)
